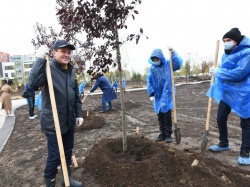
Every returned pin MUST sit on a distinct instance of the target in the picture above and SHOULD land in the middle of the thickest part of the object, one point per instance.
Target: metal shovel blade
(204, 143)
(177, 135)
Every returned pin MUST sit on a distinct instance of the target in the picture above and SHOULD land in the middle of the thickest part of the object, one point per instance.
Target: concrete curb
(7, 123)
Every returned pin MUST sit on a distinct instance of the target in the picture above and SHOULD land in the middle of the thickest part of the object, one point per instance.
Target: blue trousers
(104, 105)
(222, 116)
(53, 159)
(31, 103)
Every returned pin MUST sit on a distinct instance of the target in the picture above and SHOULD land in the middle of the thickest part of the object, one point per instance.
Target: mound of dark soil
(146, 163)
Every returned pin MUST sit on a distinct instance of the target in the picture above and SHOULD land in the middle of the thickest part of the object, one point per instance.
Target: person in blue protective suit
(108, 91)
(81, 88)
(38, 101)
(231, 91)
(124, 84)
(115, 85)
(159, 90)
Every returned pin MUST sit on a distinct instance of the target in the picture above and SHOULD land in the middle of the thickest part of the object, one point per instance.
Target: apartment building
(19, 68)
(4, 57)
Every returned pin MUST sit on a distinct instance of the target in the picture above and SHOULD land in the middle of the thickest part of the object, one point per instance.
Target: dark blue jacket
(31, 92)
(68, 102)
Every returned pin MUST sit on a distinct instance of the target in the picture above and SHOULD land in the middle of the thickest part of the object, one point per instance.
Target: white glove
(42, 51)
(88, 92)
(170, 48)
(212, 70)
(79, 121)
(152, 98)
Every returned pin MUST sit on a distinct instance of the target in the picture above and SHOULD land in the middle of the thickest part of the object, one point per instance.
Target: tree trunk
(118, 58)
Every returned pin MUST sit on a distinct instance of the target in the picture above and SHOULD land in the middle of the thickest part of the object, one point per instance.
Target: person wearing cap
(231, 91)
(104, 84)
(68, 103)
(160, 90)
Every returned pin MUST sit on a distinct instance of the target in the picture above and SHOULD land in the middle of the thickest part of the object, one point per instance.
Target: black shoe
(222, 145)
(110, 109)
(50, 182)
(244, 154)
(161, 137)
(168, 139)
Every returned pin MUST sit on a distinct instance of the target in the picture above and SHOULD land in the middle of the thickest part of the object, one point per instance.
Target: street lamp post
(189, 66)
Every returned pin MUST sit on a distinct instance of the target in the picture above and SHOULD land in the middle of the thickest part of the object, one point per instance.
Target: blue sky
(189, 26)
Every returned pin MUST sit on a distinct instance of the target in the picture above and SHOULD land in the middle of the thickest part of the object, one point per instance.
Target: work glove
(212, 70)
(152, 98)
(79, 121)
(42, 51)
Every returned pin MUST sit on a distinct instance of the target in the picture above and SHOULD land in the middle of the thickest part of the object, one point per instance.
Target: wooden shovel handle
(172, 83)
(57, 125)
(212, 82)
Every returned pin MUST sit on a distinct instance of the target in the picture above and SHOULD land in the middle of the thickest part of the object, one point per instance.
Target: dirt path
(98, 147)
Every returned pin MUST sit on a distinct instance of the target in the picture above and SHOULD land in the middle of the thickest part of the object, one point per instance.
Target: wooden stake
(137, 130)
(74, 161)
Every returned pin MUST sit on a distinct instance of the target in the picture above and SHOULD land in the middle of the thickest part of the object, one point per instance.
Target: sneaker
(168, 139)
(219, 148)
(161, 137)
(110, 109)
(35, 116)
(11, 114)
(32, 117)
(102, 111)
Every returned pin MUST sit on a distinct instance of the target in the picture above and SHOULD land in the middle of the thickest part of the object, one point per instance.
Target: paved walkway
(7, 123)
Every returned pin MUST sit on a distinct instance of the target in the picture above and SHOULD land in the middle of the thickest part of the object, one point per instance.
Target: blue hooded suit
(159, 80)
(232, 80)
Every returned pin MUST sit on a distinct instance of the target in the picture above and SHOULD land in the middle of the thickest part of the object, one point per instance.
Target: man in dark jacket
(31, 101)
(68, 105)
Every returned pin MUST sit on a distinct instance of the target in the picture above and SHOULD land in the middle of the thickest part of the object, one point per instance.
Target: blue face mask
(229, 45)
(157, 63)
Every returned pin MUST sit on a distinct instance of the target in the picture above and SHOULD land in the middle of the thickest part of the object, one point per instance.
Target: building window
(6, 74)
(19, 74)
(26, 74)
(26, 66)
(13, 74)
(9, 67)
(18, 67)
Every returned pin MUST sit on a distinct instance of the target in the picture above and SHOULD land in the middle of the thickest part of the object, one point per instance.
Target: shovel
(85, 98)
(57, 125)
(205, 137)
(177, 131)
